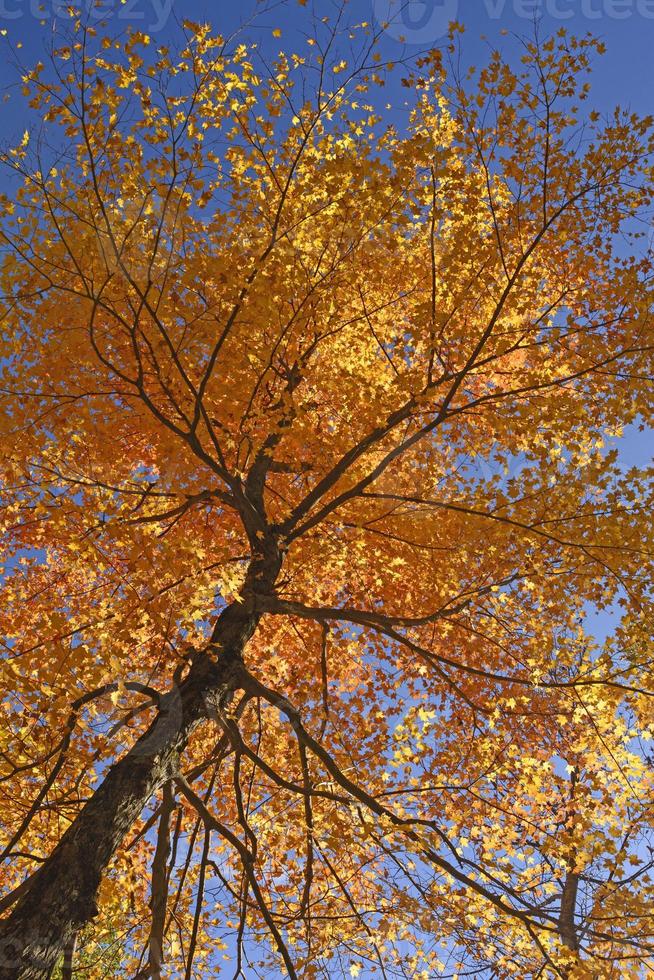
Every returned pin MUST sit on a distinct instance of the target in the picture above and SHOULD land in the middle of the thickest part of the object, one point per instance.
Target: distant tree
(305, 495)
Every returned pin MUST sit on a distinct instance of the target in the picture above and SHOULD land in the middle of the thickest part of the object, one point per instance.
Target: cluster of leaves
(240, 305)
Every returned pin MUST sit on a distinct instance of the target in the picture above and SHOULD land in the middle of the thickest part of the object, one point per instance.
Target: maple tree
(306, 492)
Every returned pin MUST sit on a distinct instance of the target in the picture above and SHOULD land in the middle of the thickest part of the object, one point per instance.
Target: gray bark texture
(62, 896)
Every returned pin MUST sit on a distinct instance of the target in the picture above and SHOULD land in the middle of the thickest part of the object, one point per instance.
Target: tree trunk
(69, 960)
(567, 929)
(62, 897)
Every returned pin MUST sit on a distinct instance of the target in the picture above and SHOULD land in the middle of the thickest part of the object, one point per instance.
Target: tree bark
(62, 896)
(69, 960)
(567, 929)
(159, 885)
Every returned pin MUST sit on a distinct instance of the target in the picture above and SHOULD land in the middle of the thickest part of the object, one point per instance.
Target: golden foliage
(244, 311)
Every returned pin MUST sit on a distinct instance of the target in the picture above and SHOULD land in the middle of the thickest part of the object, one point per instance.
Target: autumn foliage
(307, 490)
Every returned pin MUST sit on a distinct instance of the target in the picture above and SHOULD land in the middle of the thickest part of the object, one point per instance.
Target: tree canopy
(307, 489)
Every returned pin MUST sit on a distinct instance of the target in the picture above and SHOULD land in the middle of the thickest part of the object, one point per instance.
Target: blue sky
(627, 27)
(623, 74)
